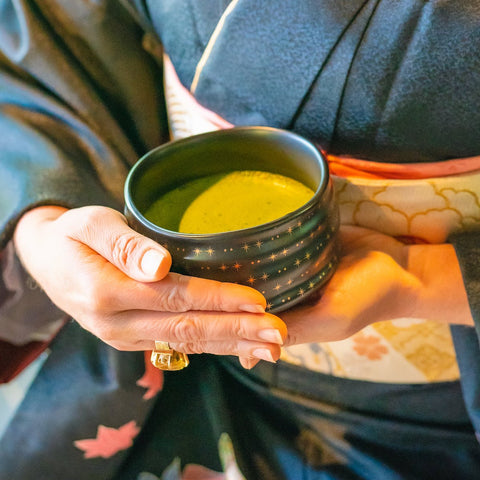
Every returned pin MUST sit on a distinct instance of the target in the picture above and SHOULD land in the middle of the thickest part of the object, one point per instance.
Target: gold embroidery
(429, 210)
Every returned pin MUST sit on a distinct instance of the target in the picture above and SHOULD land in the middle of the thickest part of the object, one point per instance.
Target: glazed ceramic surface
(287, 259)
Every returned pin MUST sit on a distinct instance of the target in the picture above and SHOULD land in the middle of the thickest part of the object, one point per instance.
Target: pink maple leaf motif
(369, 346)
(109, 441)
(152, 379)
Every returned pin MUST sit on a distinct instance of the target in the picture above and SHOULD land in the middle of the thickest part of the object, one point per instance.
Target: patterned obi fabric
(421, 203)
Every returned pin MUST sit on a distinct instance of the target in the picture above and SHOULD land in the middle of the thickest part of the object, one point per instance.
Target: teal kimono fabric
(81, 98)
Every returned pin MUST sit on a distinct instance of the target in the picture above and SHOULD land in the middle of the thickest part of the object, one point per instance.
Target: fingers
(250, 353)
(248, 363)
(106, 232)
(142, 328)
(252, 337)
(180, 293)
(120, 289)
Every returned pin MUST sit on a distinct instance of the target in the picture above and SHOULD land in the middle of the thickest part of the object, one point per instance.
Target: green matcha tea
(228, 201)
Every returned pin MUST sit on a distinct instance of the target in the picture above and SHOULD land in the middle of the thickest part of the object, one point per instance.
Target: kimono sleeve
(80, 100)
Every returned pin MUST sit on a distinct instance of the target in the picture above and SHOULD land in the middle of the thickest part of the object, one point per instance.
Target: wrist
(30, 223)
(441, 296)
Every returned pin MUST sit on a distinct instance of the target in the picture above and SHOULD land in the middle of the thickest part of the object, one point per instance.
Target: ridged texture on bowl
(286, 260)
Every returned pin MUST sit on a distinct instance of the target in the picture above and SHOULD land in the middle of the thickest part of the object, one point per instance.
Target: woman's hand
(380, 278)
(116, 284)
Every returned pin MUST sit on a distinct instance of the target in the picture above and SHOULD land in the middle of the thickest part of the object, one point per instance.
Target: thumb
(108, 233)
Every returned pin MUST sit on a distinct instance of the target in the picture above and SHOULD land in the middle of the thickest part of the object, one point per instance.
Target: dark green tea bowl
(287, 259)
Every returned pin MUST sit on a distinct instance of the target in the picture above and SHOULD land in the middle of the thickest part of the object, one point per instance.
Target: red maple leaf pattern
(109, 441)
(152, 379)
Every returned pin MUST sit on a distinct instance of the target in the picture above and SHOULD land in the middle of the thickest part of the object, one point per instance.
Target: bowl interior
(248, 148)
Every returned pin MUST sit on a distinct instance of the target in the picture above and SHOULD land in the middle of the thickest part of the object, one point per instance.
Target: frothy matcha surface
(225, 202)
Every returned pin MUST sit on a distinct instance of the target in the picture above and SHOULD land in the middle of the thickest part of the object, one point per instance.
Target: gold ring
(164, 357)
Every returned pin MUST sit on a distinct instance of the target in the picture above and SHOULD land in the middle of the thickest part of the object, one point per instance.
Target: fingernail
(263, 354)
(248, 363)
(151, 260)
(252, 308)
(271, 335)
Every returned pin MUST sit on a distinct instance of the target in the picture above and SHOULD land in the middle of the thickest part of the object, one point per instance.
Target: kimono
(387, 89)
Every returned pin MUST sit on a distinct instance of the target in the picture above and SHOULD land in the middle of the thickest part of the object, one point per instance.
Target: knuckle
(378, 256)
(90, 217)
(186, 329)
(107, 332)
(174, 298)
(123, 248)
(238, 327)
(96, 299)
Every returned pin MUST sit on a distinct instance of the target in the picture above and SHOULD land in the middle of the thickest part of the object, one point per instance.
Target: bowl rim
(139, 164)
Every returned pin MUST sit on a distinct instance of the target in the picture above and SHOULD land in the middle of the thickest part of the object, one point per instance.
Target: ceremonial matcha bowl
(287, 259)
